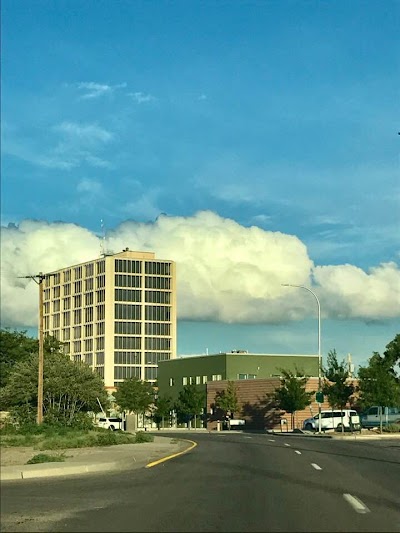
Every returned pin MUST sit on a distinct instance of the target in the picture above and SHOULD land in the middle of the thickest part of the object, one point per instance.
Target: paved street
(229, 482)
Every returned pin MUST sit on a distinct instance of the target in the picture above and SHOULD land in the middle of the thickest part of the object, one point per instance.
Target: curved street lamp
(319, 343)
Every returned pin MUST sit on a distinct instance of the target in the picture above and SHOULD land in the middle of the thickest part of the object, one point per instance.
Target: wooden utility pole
(39, 278)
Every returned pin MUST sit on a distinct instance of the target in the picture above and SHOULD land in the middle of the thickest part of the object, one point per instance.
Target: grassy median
(54, 438)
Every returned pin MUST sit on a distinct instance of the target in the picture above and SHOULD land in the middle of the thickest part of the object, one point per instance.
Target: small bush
(141, 436)
(392, 428)
(45, 458)
(107, 438)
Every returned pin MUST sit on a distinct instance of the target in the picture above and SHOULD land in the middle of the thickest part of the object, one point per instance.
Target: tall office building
(116, 313)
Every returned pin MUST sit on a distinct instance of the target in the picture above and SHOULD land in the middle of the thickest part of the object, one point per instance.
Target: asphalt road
(229, 482)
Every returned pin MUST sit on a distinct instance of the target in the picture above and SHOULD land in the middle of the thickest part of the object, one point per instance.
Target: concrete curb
(52, 470)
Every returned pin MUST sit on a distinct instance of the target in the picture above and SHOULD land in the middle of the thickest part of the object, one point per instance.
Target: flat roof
(241, 354)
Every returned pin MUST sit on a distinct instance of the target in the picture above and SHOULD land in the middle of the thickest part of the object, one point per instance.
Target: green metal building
(173, 375)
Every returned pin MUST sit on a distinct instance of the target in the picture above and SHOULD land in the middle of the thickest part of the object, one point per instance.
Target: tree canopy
(134, 395)
(69, 388)
(292, 396)
(336, 386)
(191, 402)
(227, 400)
(15, 347)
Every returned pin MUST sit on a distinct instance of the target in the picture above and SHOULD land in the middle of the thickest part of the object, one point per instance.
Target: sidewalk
(96, 459)
(336, 435)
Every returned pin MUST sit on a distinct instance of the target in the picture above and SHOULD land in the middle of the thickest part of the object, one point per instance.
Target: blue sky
(279, 115)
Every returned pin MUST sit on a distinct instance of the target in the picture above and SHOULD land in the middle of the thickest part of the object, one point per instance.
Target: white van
(333, 419)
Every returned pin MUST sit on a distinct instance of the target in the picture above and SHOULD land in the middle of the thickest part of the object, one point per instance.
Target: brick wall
(256, 406)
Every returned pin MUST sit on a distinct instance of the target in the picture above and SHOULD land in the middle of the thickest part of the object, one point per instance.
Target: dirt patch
(20, 455)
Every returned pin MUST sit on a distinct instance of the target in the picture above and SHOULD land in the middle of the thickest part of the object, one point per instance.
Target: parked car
(334, 419)
(372, 416)
(110, 423)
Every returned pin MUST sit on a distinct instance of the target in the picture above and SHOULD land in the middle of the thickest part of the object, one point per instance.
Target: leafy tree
(378, 383)
(190, 403)
(68, 389)
(392, 353)
(163, 407)
(336, 385)
(15, 346)
(134, 395)
(227, 400)
(291, 396)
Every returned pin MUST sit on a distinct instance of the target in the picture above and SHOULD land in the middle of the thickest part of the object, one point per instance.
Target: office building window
(198, 380)
(89, 359)
(128, 328)
(157, 343)
(128, 312)
(89, 284)
(67, 275)
(100, 328)
(205, 380)
(78, 300)
(77, 346)
(77, 358)
(46, 308)
(78, 286)
(127, 358)
(101, 312)
(123, 280)
(100, 282)
(77, 316)
(100, 358)
(89, 314)
(247, 376)
(78, 272)
(126, 372)
(100, 267)
(56, 292)
(125, 265)
(67, 289)
(216, 377)
(46, 294)
(77, 332)
(66, 304)
(89, 270)
(89, 298)
(190, 380)
(184, 381)
(89, 330)
(171, 382)
(56, 306)
(152, 282)
(66, 334)
(56, 320)
(157, 328)
(100, 371)
(158, 297)
(157, 313)
(100, 296)
(150, 373)
(100, 343)
(56, 279)
(127, 343)
(88, 345)
(67, 318)
(128, 295)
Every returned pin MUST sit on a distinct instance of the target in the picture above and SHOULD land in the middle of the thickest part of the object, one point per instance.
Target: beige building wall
(116, 313)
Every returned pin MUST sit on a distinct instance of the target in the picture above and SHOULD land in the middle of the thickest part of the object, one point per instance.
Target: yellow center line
(168, 457)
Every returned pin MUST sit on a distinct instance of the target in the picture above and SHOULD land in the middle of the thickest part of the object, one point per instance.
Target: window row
(153, 358)
(157, 268)
(127, 358)
(157, 313)
(197, 380)
(128, 312)
(126, 372)
(157, 328)
(122, 280)
(157, 343)
(128, 328)
(127, 343)
(128, 295)
(126, 265)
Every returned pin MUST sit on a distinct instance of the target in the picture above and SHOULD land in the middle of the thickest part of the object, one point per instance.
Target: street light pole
(319, 344)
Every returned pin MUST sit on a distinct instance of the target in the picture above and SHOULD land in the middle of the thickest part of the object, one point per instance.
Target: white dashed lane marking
(297, 451)
(356, 503)
(317, 467)
(286, 444)
(248, 437)
(271, 440)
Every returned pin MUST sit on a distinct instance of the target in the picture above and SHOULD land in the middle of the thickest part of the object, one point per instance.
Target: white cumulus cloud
(225, 271)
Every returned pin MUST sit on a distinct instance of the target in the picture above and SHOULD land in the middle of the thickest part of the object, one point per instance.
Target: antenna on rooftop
(103, 250)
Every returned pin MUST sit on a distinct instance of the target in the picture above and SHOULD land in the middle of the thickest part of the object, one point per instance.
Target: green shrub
(142, 436)
(45, 458)
(392, 428)
(107, 439)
